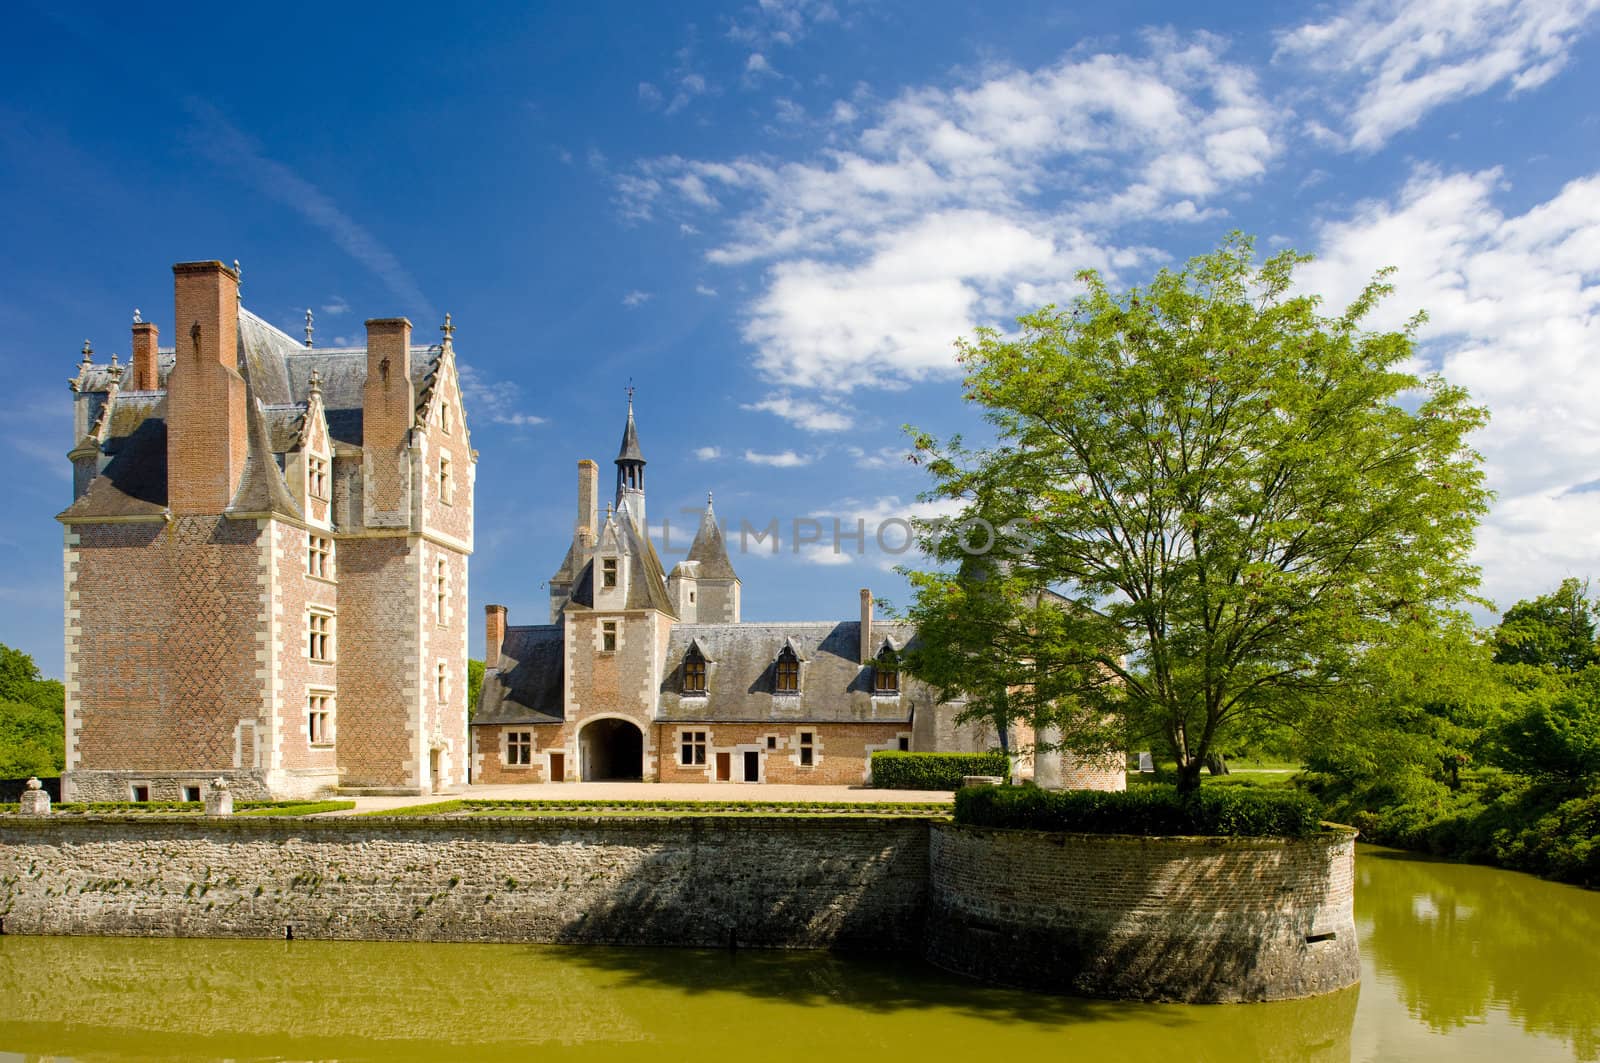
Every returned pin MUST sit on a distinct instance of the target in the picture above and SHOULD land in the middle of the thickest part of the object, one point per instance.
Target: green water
(1459, 963)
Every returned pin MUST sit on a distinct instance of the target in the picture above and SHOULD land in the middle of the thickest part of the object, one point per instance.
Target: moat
(1457, 962)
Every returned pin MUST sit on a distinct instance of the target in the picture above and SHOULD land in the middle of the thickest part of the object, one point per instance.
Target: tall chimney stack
(494, 634)
(146, 375)
(388, 412)
(207, 439)
(589, 501)
(866, 625)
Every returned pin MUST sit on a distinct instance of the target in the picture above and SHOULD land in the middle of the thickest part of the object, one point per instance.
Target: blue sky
(774, 218)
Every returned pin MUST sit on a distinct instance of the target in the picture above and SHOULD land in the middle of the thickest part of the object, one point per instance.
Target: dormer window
(786, 673)
(694, 672)
(886, 673)
(608, 572)
(317, 476)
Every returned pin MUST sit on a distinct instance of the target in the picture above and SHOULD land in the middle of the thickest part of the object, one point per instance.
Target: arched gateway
(611, 750)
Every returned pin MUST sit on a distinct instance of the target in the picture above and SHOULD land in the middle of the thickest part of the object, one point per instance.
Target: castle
(641, 673)
(266, 580)
(266, 560)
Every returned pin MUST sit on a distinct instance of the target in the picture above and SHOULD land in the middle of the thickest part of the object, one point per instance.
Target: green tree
(32, 709)
(474, 685)
(1234, 495)
(20, 681)
(1552, 631)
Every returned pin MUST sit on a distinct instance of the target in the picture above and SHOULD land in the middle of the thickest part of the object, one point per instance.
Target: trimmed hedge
(1148, 810)
(894, 770)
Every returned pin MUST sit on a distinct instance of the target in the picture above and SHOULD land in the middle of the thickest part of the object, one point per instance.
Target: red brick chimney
(206, 428)
(146, 375)
(388, 412)
(494, 634)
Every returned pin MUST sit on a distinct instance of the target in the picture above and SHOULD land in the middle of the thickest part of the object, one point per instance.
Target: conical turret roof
(709, 549)
(630, 441)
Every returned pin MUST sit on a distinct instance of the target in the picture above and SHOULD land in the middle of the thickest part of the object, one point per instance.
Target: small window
(141, 792)
(691, 597)
(772, 741)
(319, 557)
(519, 748)
(447, 487)
(317, 476)
(608, 572)
(694, 672)
(905, 744)
(191, 794)
(807, 750)
(440, 591)
(608, 636)
(886, 673)
(320, 643)
(446, 418)
(694, 747)
(319, 719)
(786, 675)
(442, 678)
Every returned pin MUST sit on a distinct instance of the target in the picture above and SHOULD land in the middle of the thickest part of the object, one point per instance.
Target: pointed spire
(709, 548)
(630, 437)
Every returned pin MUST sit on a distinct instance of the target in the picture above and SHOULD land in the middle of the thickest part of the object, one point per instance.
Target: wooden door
(724, 767)
(558, 767)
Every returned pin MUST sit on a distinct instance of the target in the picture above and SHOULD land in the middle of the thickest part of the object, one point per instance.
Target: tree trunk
(1216, 764)
(1189, 775)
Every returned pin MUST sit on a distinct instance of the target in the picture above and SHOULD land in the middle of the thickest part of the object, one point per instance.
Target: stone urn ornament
(35, 801)
(219, 798)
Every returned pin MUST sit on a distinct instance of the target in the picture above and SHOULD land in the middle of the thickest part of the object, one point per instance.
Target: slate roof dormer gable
(639, 569)
(834, 687)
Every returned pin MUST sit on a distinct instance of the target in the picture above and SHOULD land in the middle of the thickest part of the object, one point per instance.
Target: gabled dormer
(886, 671)
(611, 571)
(788, 670)
(694, 672)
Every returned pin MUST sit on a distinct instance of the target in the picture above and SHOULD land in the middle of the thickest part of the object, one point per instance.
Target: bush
(894, 770)
(1148, 810)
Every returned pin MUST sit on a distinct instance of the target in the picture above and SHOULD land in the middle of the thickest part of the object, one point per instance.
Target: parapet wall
(1190, 919)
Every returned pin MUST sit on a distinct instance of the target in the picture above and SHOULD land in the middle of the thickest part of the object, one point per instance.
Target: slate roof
(647, 580)
(277, 372)
(834, 685)
(629, 451)
(524, 685)
(710, 550)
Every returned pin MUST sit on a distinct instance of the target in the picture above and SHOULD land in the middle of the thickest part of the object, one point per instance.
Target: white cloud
(784, 22)
(706, 290)
(882, 458)
(636, 299)
(1412, 56)
(649, 96)
(334, 306)
(786, 459)
(804, 413)
(708, 453)
(494, 401)
(1514, 316)
(942, 210)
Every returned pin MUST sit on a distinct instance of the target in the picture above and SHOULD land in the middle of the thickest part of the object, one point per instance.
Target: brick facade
(265, 579)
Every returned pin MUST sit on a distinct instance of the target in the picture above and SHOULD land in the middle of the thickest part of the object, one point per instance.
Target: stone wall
(1189, 919)
(762, 882)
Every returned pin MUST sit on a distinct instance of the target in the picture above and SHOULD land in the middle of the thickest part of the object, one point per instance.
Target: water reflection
(1460, 963)
(1463, 945)
(111, 999)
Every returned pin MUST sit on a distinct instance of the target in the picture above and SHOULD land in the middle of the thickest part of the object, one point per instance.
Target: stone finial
(219, 799)
(310, 320)
(314, 385)
(449, 330)
(88, 352)
(114, 363)
(708, 499)
(137, 320)
(35, 801)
